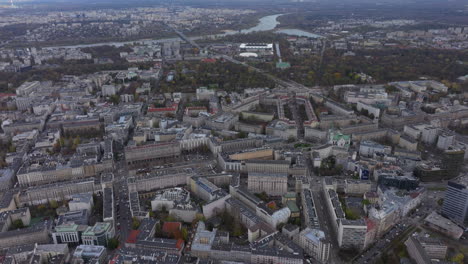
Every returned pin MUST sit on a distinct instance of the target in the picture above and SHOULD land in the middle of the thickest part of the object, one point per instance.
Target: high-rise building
(456, 203)
(452, 161)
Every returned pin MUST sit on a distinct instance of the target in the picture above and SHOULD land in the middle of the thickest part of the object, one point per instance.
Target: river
(265, 23)
(298, 33)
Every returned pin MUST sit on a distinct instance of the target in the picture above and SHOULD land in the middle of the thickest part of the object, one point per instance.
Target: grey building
(270, 183)
(455, 205)
(137, 156)
(416, 251)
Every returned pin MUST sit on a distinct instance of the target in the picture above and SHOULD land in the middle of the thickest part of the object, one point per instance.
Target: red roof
(7, 94)
(131, 239)
(209, 60)
(171, 227)
(196, 108)
(164, 109)
(180, 244)
(173, 107)
(114, 259)
(370, 224)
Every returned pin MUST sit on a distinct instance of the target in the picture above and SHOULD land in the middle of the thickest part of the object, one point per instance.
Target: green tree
(184, 234)
(242, 134)
(113, 243)
(53, 204)
(170, 218)
(76, 142)
(11, 148)
(237, 229)
(350, 214)
(115, 99)
(459, 258)
(440, 201)
(158, 230)
(297, 221)
(200, 217)
(17, 224)
(135, 223)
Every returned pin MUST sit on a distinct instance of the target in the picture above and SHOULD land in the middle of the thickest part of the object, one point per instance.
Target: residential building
(416, 251)
(314, 243)
(274, 184)
(443, 225)
(367, 148)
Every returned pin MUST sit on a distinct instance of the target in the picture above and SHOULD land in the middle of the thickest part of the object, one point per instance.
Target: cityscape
(221, 132)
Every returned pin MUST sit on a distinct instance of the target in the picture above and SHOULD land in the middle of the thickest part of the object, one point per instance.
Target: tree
(113, 243)
(17, 224)
(365, 202)
(56, 148)
(440, 201)
(272, 206)
(364, 112)
(237, 229)
(76, 142)
(53, 204)
(297, 221)
(135, 223)
(263, 196)
(184, 232)
(158, 230)
(11, 148)
(226, 218)
(458, 258)
(115, 99)
(350, 214)
(242, 134)
(200, 217)
(170, 218)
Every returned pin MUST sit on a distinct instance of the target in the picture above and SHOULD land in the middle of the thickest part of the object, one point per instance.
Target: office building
(443, 225)
(455, 205)
(98, 234)
(87, 253)
(81, 201)
(69, 233)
